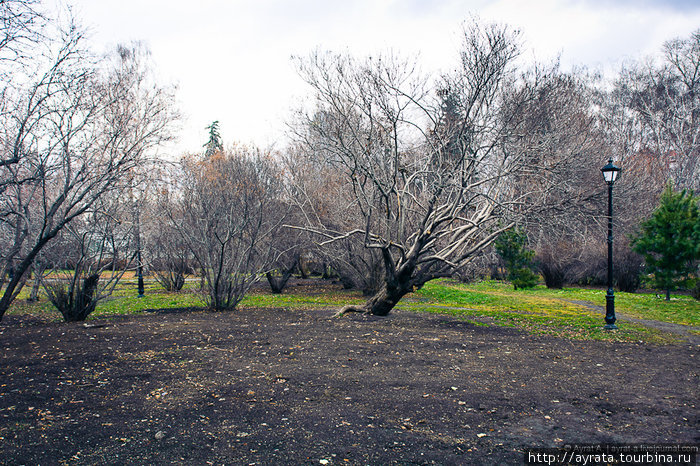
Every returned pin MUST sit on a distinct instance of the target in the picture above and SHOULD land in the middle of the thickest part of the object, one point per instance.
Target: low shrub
(511, 246)
(628, 269)
(553, 271)
(695, 291)
(75, 300)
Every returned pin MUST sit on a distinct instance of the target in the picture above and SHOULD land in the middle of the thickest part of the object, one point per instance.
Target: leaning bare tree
(436, 170)
(78, 126)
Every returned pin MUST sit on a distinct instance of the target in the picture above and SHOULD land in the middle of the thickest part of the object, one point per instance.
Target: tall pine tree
(669, 240)
(214, 144)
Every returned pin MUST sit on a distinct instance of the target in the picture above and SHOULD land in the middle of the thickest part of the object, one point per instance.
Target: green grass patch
(569, 313)
(684, 310)
(153, 299)
(302, 301)
(123, 301)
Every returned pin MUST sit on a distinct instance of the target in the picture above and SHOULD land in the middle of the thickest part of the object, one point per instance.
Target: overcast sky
(231, 59)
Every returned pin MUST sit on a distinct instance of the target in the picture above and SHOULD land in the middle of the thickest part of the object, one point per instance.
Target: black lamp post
(139, 263)
(610, 173)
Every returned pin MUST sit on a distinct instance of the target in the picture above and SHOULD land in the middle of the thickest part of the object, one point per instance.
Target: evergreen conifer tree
(214, 144)
(669, 240)
(511, 246)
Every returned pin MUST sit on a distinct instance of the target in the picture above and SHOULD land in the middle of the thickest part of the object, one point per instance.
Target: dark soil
(302, 387)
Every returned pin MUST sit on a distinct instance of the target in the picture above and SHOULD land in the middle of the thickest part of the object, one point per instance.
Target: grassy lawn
(123, 301)
(539, 310)
(683, 310)
(565, 312)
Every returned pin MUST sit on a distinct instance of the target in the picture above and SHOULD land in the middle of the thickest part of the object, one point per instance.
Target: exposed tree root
(350, 308)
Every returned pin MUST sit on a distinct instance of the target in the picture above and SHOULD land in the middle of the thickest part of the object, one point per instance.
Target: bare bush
(322, 199)
(104, 243)
(226, 213)
(627, 268)
(170, 258)
(555, 269)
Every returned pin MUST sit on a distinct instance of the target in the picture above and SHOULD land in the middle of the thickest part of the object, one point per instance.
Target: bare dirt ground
(302, 387)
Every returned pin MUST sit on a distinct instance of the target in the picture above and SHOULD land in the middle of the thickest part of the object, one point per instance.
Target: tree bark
(397, 283)
(38, 272)
(347, 282)
(384, 301)
(381, 303)
(277, 284)
(303, 269)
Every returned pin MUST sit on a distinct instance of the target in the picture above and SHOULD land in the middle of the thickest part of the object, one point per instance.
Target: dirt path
(299, 387)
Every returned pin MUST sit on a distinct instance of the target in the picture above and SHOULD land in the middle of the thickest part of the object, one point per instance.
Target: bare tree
(566, 150)
(322, 200)
(104, 253)
(650, 117)
(660, 106)
(21, 29)
(79, 128)
(227, 212)
(22, 59)
(170, 259)
(167, 255)
(437, 171)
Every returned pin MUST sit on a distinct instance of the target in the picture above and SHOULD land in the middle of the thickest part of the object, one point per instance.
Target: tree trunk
(14, 286)
(398, 282)
(347, 282)
(384, 300)
(17, 281)
(277, 284)
(34, 295)
(303, 269)
(668, 295)
(381, 303)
